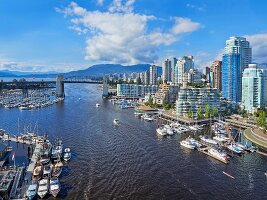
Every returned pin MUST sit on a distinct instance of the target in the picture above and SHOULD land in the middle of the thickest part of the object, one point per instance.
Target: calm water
(131, 161)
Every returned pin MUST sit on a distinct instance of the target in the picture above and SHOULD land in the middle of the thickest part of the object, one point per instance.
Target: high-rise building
(153, 74)
(216, 75)
(166, 71)
(146, 82)
(206, 72)
(173, 69)
(182, 68)
(254, 88)
(236, 57)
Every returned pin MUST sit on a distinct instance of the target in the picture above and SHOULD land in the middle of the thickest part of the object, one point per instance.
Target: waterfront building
(134, 90)
(167, 93)
(236, 57)
(153, 75)
(182, 68)
(166, 71)
(254, 88)
(195, 98)
(216, 75)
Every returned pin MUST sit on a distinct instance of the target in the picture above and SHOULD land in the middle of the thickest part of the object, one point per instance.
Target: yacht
(97, 105)
(207, 140)
(220, 138)
(31, 191)
(54, 186)
(169, 130)
(37, 172)
(219, 155)
(43, 188)
(161, 131)
(195, 143)
(116, 122)
(234, 148)
(187, 143)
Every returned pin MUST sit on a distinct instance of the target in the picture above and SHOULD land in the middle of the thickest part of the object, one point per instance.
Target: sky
(63, 35)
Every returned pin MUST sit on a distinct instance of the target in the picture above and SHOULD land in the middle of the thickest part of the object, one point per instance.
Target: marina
(133, 151)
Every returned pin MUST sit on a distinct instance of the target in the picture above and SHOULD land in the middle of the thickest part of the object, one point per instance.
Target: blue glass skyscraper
(237, 56)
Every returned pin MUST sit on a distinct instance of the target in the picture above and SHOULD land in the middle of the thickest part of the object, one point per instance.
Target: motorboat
(161, 131)
(54, 186)
(195, 142)
(67, 154)
(148, 118)
(31, 191)
(207, 140)
(219, 155)
(169, 130)
(193, 128)
(220, 138)
(97, 105)
(43, 188)
(37, 172)
(116, 122)
(47, 171)
(187, 143)
(45, 161)
(234, 148)
(57, 169)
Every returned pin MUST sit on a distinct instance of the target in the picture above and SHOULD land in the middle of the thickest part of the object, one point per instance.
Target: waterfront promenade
(256, 136)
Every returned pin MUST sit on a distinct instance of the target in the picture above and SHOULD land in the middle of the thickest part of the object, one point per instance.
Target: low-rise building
(167, 93)
(194, 98)
(134, 90)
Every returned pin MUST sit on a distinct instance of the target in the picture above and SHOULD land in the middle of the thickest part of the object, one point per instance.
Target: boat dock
(16, 183)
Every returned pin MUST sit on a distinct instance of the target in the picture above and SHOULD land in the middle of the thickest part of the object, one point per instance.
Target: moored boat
(57, 169)
(67, 154)
(43, 188)
(218, 154)
(31, 191)
(187, 143)
(207, 140)
(54, 186)
(116, 122)
(161, 131)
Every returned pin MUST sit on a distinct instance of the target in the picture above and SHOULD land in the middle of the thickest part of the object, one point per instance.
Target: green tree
(261, 121)
(207, 111)
(199, 113)
(214, 112)
(190, 113)
(150, 101)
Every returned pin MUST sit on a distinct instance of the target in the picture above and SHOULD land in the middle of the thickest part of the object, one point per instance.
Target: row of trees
(261, 120)
(164, 105)
(207, 113)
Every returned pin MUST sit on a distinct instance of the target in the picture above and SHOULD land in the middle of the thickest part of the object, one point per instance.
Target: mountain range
(95, 70)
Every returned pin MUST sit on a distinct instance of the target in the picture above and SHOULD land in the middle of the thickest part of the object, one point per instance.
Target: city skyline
(72, 35)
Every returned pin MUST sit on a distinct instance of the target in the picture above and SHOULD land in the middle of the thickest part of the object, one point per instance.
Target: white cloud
(184, 25)
(121, 36)
(100, 2)
(121, 6)
(258, 43)
(199, 8)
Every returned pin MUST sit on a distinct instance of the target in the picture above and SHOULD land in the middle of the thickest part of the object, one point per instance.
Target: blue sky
(49, 35)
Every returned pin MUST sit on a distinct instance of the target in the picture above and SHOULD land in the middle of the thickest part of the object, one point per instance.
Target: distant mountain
(104, 69)
(7, 73)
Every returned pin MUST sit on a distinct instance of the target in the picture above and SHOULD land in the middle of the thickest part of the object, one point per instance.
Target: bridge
(42, 84)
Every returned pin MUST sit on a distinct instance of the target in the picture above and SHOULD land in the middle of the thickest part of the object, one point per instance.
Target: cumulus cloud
(258, 43)
(119, 35)
(100, 2)
(184, 25)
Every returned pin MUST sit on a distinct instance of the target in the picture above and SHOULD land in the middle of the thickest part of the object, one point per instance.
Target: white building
(182, 68)
(134, 90)
(166, 70)
(254, 88)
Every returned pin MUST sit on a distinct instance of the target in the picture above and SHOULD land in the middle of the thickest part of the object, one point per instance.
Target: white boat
(207, 140)
(234, 148)
(97, 105)
(218, 155)
(265, 173)
(45, 161)
(116, 122)
(193, 128)
(67, 156)
(147, 118)
(43, 188)
(161, 131)
(31, 191)
(47, 171)
(169, 130)
(67, 150)
(187, 143)
(220, 138)
(195, 142)
(54, 186)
